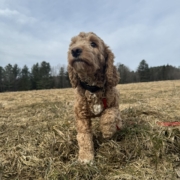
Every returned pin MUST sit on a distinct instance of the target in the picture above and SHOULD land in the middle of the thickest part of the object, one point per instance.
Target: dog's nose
(76, 52)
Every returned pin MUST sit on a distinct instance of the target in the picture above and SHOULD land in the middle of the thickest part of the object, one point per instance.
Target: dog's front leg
(85, 142)
(110, 121)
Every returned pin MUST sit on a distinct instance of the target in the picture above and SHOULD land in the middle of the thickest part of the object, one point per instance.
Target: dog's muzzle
(76, 52)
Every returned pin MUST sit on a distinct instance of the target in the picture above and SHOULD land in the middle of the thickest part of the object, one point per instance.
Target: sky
(33, 31)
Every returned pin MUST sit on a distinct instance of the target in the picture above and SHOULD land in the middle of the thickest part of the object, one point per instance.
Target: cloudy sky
(33, 31)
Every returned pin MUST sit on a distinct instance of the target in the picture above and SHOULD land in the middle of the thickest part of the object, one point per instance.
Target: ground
(38, 136)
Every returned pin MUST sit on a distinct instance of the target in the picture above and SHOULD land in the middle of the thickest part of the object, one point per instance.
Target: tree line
(43, 76)
(144, 73)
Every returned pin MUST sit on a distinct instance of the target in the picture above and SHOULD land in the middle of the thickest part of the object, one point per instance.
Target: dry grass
(38, 137)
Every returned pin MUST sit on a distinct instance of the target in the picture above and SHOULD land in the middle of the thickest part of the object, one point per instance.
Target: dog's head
(88, 53)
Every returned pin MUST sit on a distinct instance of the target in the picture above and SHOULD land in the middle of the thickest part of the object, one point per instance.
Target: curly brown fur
(91, 61)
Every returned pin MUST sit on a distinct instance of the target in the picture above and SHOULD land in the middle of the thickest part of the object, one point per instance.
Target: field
(38, 136)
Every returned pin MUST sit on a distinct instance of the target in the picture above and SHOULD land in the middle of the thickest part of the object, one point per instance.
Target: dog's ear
(73, 77)
(112, 75)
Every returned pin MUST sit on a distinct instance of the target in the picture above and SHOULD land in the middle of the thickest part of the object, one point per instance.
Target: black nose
(76, 52)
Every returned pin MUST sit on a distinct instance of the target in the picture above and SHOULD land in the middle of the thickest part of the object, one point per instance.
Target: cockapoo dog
(94, 77)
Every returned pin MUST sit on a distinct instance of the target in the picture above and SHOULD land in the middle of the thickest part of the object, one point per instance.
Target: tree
(143, 71)
(61, 78)
(67, 80)
(35, 75)
(1, 79)
(41, 76)
(16, 74)
(45, 70)
(125, 74)
(45, 76)
(8, 77)
(25, 83)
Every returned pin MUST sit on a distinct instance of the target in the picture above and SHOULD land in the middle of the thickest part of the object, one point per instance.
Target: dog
(94, 77)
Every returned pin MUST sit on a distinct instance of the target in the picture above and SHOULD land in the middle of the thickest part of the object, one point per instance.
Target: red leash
(167, 124)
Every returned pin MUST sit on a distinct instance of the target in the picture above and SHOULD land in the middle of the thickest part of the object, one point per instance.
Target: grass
(38, 137)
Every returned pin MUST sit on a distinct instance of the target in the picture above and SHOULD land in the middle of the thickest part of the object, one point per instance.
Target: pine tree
(25, 83)
(143, 71)
(67, 80)
(8, 77)
(45, 76)
(16, 74)
(1, 79)
(61, 78)
(125, 74)
(35, 76)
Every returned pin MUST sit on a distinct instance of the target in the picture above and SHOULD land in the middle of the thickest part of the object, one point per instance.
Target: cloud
(32, 31)
(15, 16)
(8, 13)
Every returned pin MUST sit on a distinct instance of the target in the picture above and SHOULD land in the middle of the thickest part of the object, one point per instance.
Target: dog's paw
(107, 135)
(86, 161)
(86, 158)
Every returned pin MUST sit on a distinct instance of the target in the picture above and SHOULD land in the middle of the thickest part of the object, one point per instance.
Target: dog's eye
(93, 44)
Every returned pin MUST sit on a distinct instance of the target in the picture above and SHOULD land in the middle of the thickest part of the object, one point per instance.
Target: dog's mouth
(80, 61)
(81, 65)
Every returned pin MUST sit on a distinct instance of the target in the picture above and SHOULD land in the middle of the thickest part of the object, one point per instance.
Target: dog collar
(92, 89)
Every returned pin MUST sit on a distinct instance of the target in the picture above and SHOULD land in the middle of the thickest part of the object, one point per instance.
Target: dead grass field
(38, 137)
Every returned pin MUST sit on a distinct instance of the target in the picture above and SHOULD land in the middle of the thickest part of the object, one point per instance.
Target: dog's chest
(95, 102)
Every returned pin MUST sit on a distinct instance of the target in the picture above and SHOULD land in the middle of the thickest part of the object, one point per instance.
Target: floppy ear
(112, 75)
(73, 77)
